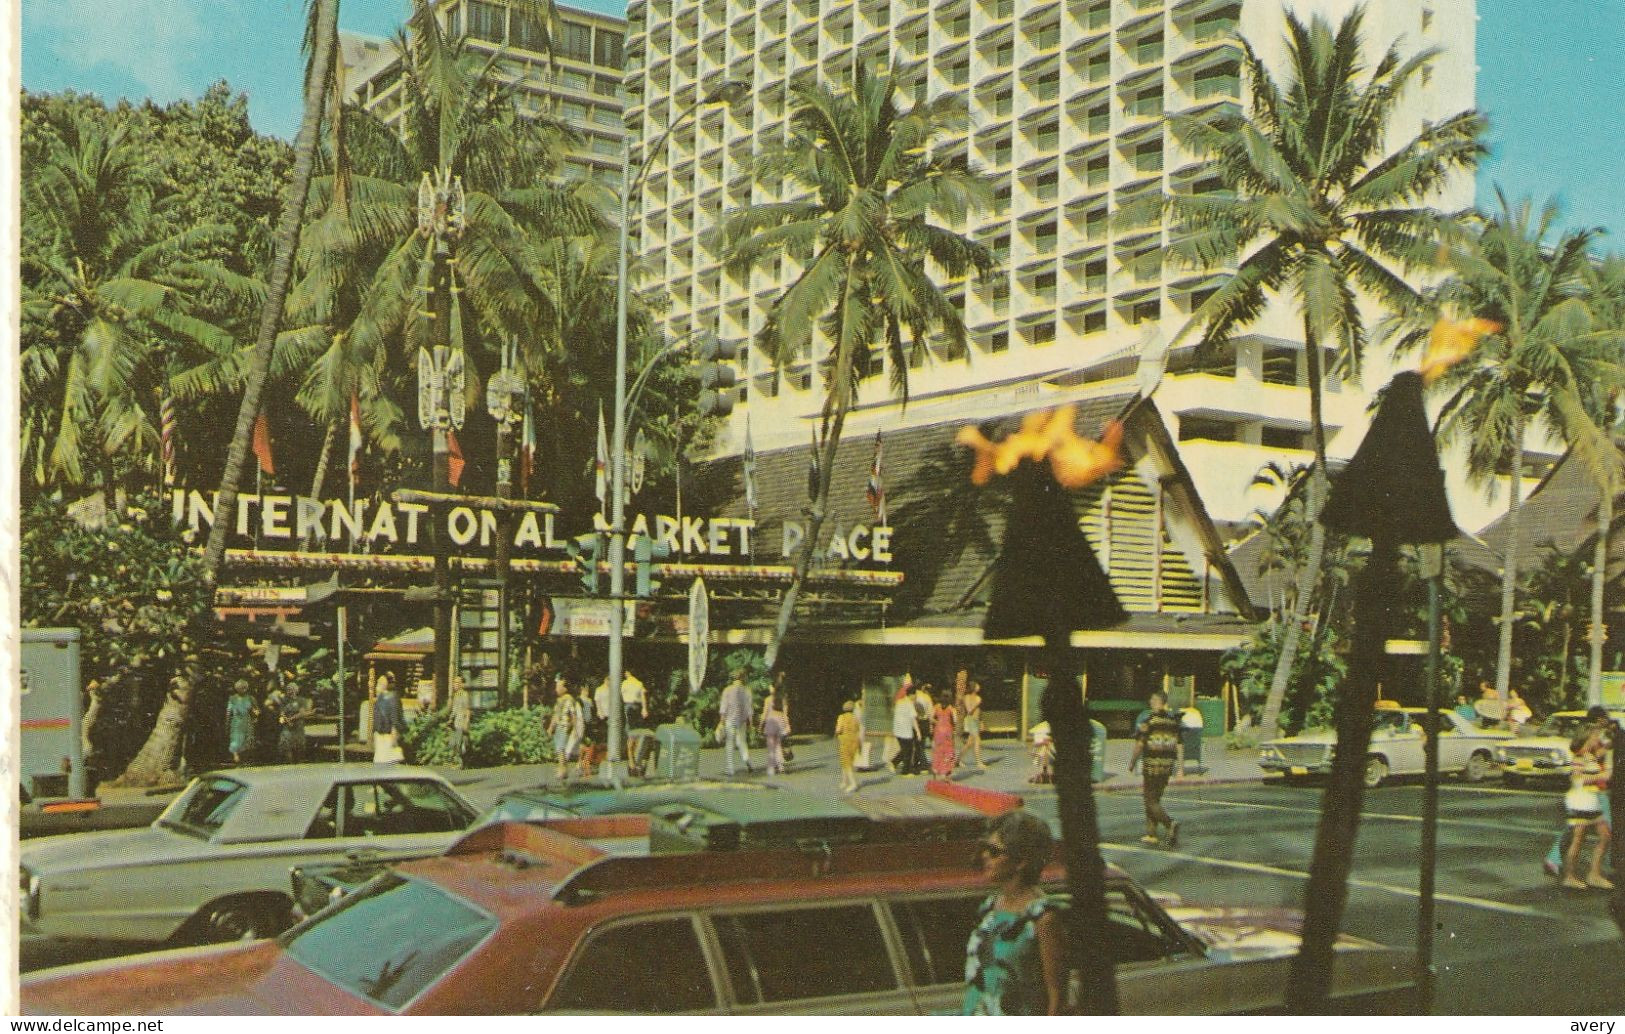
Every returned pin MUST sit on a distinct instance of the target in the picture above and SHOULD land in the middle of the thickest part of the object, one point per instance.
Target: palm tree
(1547, 364)
(318, 76)
(1324, 211)
(863, 225)
(104, 303)
(1605, 290)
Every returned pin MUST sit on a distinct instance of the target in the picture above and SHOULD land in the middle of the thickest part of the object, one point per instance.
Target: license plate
(1524, 765)
(1298, 770)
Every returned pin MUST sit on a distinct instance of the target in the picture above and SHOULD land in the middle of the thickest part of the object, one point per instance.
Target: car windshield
(1564, 726)
(1390, 721)
(390, 940)
(202, 810)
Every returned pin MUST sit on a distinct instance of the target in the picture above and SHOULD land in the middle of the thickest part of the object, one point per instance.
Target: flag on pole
(601, 465)
(749, 474)
(527, 449)
(454, 459)
(355, 437)
(262, 445)
(813, 477)
(166, 435)
(876, 492)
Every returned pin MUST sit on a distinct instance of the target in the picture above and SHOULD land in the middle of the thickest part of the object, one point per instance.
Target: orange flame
(1047, 434)
(1451, 341)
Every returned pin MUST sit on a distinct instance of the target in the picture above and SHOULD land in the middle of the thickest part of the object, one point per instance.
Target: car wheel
(1479, 768)
(1376, 770)
(241, 920)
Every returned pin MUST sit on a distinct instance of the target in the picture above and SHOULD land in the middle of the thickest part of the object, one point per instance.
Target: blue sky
(1548, 76)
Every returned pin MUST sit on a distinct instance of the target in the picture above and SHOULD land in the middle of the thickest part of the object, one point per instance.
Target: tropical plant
(1544, 368)
(1605, 295)
(1549, 620)
(105, 301)
(870, 185)
(1325, 211)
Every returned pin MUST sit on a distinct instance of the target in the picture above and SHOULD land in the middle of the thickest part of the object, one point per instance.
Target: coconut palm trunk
(1308, 576)
(1599, 582)
(1509, 571)
(287, 241)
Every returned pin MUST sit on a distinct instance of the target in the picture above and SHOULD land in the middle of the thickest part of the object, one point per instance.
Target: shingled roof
(947, 532)
(1560, 513)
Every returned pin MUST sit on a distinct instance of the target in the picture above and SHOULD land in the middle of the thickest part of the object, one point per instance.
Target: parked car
(560, 917)
(1396, 748)
(214, 865)
(319, 885)
(1543, 753)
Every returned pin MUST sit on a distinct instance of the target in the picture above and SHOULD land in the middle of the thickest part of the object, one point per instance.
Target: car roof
(280, 801)
(518, 869)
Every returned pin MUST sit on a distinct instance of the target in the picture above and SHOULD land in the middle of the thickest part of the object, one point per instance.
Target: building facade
(581, 86)
(1067, 103)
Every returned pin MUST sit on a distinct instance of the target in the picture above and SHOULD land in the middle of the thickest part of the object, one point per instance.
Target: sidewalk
(815, 771)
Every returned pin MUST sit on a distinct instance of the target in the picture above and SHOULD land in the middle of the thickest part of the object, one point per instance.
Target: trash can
(679, 751)
(1191, 727)
(1097, 752)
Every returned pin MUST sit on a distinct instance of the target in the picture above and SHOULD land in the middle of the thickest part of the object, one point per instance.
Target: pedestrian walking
(240, 715)
(1015, 959)
(296, 709)
(775, 727)
(737, 714)
(1597, 718)
(565, 725)
(1159, 754)
(1583, 807)
(905, 725)
(971, 724)
(944, 758)
(848, 738)
(925, 706)
(387, 720)
(462, 716)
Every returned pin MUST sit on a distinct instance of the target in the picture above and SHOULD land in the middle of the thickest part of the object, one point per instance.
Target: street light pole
(726, 93)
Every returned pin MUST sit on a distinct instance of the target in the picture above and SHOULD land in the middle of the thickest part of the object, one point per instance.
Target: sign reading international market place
(379, 524)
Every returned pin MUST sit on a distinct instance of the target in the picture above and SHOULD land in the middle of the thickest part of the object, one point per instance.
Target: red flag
(454, 462)
(262, 444)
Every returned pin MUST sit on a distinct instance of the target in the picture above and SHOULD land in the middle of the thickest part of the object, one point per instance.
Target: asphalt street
(1509, 939)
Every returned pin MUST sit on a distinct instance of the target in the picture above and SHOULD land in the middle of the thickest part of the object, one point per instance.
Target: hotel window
(1427, 18)
(1149, 49)
(1047, 38)
(575, 41)
(1094, 322)
(454, 23)
(1046, 186)
(607, 49)
(608, 117)
(1100, 119)
(1044, 238)
(605, 85)
(1217, 25)
(958, 73)
(999, 341)
(1145, 311)
(1094, 276)
(485, 21)
(1219, 81)
(1002, 102)
(1047, 87)
(1048, 137)
(1148, 157)
(1001, 200)
(1000, 247)
(1100, 68)
(528, 33)
(1147, 102)
(1000, 153)
(1004, 9)
(573, 80)
(1044, 286)
(1099, 16)
(1097, 171)
(957, 27)
(1044, 333)
(1003, 54)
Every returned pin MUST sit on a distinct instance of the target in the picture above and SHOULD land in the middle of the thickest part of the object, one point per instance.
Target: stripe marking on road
(1275, 870)
(1543, 831)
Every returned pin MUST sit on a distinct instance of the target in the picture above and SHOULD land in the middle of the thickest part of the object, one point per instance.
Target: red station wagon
(577, 916)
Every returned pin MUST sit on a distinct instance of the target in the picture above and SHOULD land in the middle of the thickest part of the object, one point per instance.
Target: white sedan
(214, 866)
(1396, 748)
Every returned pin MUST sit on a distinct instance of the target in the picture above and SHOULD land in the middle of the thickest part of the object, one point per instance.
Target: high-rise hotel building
(1068, 103)
(582, 87)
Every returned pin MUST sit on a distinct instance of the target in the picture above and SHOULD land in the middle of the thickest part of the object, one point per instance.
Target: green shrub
(517, 736)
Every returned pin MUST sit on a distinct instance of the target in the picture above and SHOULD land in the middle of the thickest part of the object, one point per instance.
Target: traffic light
(647, 551)
(586, 550)
(717, 379)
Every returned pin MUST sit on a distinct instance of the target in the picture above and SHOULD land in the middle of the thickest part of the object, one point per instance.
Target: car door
(831, 958)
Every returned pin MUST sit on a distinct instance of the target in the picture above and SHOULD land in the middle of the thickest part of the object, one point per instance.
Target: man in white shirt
(738, 712)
